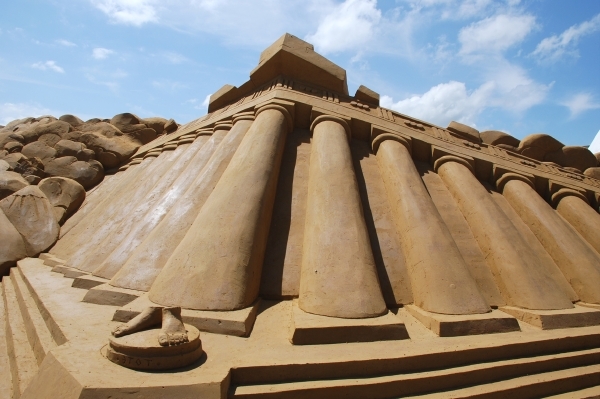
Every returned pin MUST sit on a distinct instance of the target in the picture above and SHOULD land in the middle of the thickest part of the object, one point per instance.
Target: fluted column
(574, 207)
(94, 197)
(338, 276)
(579, 263)
(119, 245)
(439, 276)
(84, 234)
(521, 276)
(109, 231)
(217, 265)
(151, 255)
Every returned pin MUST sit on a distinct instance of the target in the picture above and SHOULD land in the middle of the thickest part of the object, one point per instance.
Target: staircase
(27, 333)
(567, 365)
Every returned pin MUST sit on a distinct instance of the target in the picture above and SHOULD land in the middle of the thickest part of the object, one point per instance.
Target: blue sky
(519, 66)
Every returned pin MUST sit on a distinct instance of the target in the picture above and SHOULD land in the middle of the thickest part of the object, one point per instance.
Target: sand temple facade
(301, 242)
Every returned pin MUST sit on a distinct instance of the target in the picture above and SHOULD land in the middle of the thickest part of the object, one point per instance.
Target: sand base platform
(141, 351)
(475, 324)
(553, 319)
(236, 322)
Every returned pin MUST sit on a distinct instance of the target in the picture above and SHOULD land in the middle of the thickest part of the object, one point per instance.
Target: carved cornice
(425, 137)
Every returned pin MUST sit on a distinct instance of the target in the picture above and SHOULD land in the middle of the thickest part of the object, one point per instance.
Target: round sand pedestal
(141, 351)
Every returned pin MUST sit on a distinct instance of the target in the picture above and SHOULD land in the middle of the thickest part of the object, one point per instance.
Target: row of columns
(217, 263)
(156, 249)
(91, 231)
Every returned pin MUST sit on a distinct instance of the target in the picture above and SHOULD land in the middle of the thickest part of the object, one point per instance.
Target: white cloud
(101, 53)
(128, 12)
(11, 111)
(466, 9)
(508, 87)
(580, 103)
(113, 86)
(241, 23)
(173, 58)
(350, 25)
(167, 84)
(442, 104)
(51, 65)
(65, 43)
(554, 47)
(495, 34)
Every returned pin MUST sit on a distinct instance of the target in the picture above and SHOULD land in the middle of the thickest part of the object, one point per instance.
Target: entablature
(367, 121)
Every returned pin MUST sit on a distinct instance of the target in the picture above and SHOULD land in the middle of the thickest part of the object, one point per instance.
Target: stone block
(553, 319)
(87, 281)
(235, 322)
(106, 294)
(311, 329)
(457, 325)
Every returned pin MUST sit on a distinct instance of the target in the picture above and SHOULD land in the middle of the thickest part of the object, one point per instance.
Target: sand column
(338, 275)
(521, 276)
(217, 265)
(439, 277)
(573, 206)
(579, 263)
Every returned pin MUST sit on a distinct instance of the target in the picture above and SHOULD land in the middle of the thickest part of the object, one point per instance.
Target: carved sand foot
(148, 318)
(173, 331)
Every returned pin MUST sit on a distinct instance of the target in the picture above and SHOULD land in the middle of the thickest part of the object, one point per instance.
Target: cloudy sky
(519, 66)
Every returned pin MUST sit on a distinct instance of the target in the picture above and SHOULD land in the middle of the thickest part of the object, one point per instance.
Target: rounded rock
(31, 213)
(88, 174)
(12, 246)
(495, 137)
(10, 183)
(537, 145)
(593, 172)
(65, 148)
(71, 119)
(63, 193)
(576, 157)
(39, 150)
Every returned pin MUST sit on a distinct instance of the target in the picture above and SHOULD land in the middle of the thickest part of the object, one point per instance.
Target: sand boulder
(10, 183)
(31, 213)
(65, 195)
(88, 174)
(12, 246)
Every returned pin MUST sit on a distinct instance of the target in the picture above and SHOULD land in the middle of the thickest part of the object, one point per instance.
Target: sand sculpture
(325, 247)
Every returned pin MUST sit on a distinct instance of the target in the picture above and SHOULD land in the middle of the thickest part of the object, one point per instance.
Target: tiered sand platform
(52, 348)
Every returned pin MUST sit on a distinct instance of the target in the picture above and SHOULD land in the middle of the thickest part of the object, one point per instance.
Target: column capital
(331, 118)
(223, 125)
(204, 132)
(186, 139)
(567, 192)
(452, 158)
(170, 146)
(154, 153)
(243, 116)
(279, 107)
(380, 138)
(508, 176)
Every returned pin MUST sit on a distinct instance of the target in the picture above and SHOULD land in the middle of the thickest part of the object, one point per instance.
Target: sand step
(547, 368)
(23, 363)
(586, 393)
(57, 335)
(567, 382)
(39, 335)
(5, 374)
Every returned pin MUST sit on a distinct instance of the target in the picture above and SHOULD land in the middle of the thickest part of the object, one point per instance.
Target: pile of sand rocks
(46, 166)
